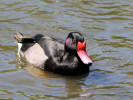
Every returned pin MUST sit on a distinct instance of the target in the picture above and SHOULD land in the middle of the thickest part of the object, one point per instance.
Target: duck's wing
(51, 46)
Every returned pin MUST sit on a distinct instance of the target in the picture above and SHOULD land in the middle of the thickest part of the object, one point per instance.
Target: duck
(67, 57)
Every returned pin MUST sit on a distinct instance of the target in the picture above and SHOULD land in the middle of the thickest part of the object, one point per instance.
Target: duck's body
(55, 55)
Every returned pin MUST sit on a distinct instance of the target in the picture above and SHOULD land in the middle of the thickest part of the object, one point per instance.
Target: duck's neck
(67, 56)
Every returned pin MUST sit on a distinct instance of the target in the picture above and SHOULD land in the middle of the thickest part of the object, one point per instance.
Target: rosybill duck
(66, 57)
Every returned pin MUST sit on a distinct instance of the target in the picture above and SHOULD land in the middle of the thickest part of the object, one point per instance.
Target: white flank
(19, 47)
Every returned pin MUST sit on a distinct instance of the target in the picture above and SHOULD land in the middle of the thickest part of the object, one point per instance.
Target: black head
(72, 40)
(76, 45)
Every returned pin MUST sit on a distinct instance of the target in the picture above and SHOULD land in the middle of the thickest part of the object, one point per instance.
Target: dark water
(108, 29)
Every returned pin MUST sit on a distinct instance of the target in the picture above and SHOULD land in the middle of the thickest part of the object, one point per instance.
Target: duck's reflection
(72, 85)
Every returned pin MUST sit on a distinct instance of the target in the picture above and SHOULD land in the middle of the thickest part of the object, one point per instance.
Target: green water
(108, 29)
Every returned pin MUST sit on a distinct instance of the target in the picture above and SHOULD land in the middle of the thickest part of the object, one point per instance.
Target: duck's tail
(18, 37)
(20, 40)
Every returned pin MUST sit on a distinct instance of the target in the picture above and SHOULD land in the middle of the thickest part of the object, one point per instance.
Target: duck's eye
(74, 40)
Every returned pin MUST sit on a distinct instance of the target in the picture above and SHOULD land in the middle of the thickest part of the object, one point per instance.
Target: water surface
(108, 30)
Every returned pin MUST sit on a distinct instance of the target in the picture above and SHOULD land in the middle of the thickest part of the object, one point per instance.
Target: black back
(52, 47)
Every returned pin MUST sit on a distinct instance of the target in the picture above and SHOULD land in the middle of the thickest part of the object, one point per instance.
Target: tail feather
(20, 40)
(18, 37)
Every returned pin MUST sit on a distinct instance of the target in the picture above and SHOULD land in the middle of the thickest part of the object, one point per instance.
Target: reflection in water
(107, 26)
(39, 72)
(56, 82)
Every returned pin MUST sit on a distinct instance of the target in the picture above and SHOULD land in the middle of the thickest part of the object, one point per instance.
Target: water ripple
(107, 27)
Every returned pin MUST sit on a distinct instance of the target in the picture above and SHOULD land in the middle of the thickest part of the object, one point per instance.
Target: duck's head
(76, 44)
